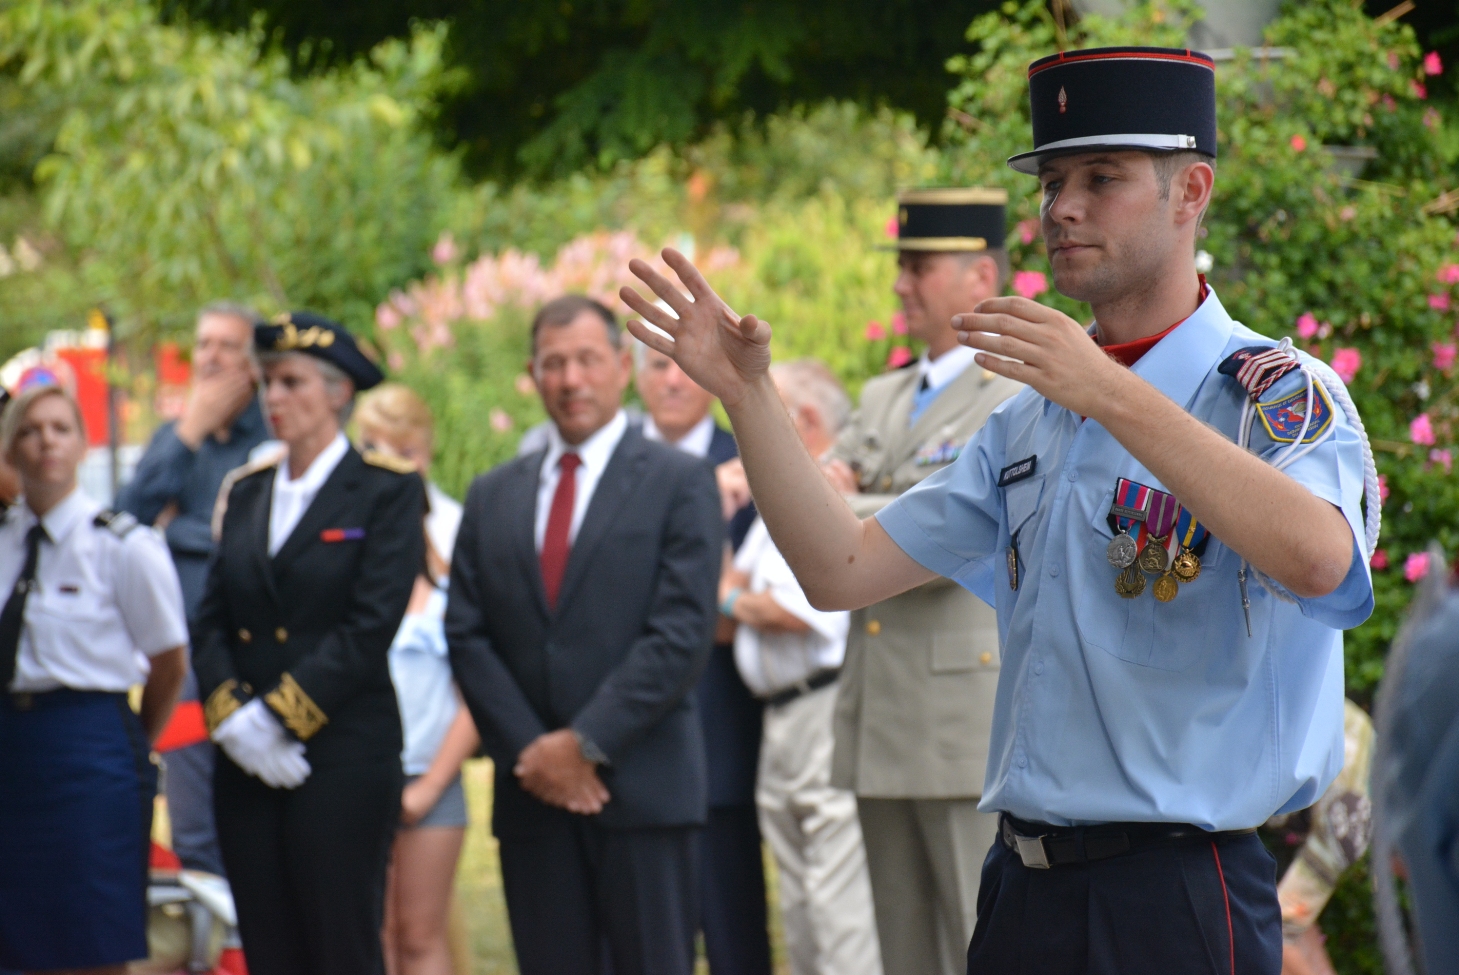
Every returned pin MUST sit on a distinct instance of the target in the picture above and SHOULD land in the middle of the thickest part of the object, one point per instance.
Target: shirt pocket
(1143, 630)
(1020, 504)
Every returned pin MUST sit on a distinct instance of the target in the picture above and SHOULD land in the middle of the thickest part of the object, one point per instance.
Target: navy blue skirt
(76, 789)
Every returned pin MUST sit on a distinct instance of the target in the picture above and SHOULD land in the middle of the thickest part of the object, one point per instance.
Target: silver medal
(1122, 551)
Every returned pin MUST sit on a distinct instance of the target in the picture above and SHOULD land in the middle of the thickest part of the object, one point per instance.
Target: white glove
(256, 742)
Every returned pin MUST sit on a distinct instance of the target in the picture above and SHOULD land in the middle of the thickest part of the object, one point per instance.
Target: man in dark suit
(581, 613)
(732, 873)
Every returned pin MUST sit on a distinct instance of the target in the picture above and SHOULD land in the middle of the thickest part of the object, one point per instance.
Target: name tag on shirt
(1018, 470)
(341, 534)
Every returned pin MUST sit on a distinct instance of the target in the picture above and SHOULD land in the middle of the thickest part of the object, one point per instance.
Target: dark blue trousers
(1207, 908)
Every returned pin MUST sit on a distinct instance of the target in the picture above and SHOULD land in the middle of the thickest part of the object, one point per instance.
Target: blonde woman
(439, 733)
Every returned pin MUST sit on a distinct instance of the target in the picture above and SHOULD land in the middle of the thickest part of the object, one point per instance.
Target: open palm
(718, 349)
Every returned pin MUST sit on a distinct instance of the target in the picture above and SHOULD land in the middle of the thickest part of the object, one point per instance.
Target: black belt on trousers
(59, 698)
(1041, 846)
(802, 687)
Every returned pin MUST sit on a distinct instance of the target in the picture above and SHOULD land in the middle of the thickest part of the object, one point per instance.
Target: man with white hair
(790, 656)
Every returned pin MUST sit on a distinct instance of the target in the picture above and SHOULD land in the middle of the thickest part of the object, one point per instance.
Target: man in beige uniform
(917, 687)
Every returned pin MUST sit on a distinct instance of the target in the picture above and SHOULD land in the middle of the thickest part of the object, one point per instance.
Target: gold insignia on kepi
(221, 704)
(291, 337)
(390, 462)
(295, 708)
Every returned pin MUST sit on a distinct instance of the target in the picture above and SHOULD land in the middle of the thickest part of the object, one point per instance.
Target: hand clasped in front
(1053, 353)
(553, 770)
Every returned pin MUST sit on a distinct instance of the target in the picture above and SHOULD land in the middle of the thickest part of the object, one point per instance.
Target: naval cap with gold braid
(962, 218)
(311, 334)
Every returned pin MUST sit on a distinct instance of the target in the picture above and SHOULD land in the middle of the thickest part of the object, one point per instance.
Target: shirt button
(1022, 762)
(245, 636)
(281, 635)
(985, 658)
(1038, 670)
(1073, 474)
(1054, 571)
(873, 627)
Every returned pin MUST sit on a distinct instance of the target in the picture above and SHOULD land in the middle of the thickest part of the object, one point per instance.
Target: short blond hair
(396, 411)
(15, 412)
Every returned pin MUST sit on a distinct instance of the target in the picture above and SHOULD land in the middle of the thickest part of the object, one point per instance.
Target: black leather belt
(58, 698)
(802, 687)
(1041, 846)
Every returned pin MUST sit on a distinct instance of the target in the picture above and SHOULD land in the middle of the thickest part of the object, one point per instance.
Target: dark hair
(1166, 164)
(560, 312)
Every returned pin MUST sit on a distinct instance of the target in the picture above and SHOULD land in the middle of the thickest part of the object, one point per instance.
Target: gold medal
(1187, 566)
(1166, 588)
(1153, 557)
(1130, 583)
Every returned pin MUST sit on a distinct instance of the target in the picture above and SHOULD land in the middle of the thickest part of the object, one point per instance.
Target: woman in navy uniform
(92, 608)
(317, 551)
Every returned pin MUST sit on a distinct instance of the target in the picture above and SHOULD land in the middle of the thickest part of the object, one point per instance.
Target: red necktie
(559, 523)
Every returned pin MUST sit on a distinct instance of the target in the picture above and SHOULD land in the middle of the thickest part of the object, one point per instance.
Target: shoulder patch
(377, 458)
(1283, 417)
(119, 523)
(220, 504)
(1258, 367)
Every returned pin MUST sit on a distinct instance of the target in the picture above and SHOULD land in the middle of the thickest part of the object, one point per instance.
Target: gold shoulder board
(390, 462)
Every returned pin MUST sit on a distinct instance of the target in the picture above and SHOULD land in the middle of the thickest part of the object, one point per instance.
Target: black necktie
(924, 385)
(12, 617)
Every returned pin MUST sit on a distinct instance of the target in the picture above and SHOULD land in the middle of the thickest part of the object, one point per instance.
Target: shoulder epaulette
(119, 523)
(220, 505)
(378, 458)
(1258, 367)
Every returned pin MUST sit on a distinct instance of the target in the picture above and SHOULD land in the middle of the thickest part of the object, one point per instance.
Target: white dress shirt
(103, 603)
(695, 443)
(595, 452)
(771, 662)
(946, 367)
(291, 498)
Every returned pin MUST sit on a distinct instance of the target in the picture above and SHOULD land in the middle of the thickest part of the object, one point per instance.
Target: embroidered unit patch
(1283, 417)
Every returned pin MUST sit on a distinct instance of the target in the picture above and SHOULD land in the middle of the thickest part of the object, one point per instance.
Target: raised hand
(717, 348)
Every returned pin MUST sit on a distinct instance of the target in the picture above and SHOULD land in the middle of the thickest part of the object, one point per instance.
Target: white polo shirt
(104, 602)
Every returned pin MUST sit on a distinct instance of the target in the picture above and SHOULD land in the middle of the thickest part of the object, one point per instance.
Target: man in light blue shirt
(1162, 692)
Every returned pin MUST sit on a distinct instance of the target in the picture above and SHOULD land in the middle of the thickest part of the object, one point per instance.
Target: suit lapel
(522, 502)
(614, 487)
(334, 501)
(256, 539)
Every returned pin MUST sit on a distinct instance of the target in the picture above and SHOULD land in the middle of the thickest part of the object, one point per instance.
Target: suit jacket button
(986, 658)
(245, 636)
(873, 627)
(281, 635)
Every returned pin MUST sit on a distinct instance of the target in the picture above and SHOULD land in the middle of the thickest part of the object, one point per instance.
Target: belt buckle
(1032, 852)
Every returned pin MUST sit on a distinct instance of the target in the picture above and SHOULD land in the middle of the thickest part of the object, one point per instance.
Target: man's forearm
(1277, 524)
(841, 561)
(159, 694)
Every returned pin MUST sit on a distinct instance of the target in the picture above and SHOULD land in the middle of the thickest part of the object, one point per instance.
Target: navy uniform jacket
(729, 712)
(309, 628)
(617, 659)
(171, 472)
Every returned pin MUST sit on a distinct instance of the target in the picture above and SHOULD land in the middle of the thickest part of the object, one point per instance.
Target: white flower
(1204, 262)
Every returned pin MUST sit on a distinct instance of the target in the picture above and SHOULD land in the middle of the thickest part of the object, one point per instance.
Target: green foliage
(1350, 926)
(188, 167)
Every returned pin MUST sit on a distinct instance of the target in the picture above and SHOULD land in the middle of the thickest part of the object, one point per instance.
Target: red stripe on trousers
(1230, 932)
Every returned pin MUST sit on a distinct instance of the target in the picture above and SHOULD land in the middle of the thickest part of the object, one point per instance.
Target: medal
(1166, 588)
(1130, 583)
(1158, 523)
(1187, 566)
(1013, 565)
(1189, 535)
(1131, 504)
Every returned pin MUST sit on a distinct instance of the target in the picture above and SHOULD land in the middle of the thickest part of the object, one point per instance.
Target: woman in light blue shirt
(439, 733)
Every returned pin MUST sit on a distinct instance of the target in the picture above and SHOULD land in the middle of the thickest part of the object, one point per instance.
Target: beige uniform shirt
(916, 691)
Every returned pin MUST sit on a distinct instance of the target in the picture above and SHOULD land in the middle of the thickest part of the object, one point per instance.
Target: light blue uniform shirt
(421, 672)
(1132, 710)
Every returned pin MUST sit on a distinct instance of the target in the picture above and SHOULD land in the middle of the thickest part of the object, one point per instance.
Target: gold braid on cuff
(221, 703)
(295, 708)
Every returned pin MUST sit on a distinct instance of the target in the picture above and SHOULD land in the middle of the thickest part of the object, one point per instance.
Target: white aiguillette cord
(1314, 372)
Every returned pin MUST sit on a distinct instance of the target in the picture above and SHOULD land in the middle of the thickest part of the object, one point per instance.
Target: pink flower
(1347, 213)
(1421, 430)
(1030, 283)
(1420, 91)
(1440, 301)
(1432, 118)
(445, 250)
(1379, 561)
(1028, 230)
(1382, 488)
(1444, 458)
(1346, 363)
(1449, 274)
(874, 332)
(899, 357)
(1444, 354)
(1388, 103)
(1416, 566)
(899, 323)
(893, 228)
(386, 316)
(1299, 144)
(1306, 325)
(1433, 64)
(500, 420)
(1393, 60)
